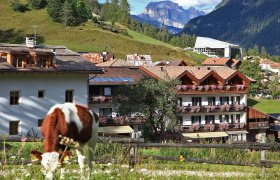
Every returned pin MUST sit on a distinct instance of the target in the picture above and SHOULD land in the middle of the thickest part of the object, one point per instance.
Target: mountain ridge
(245, 22)
(167, 14)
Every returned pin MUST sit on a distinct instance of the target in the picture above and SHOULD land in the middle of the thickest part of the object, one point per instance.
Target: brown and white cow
(72, 121)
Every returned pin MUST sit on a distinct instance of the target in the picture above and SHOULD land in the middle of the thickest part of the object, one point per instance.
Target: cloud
(197, 3)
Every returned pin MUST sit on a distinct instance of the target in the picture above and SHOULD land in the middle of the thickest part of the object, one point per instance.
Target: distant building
(97, 58)
(139, 60)
(215, 48)
(33, 79)
(269, 65)
(232, 63)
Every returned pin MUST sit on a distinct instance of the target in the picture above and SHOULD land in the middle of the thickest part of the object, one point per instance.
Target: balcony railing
(120, 120)
(212, 109)
(258, 125)
(100, 99)
(212, 127)
(211, 88)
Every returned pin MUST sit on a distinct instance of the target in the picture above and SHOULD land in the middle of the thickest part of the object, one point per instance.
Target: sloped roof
(116, 75)
(206, 42)
(115, 63)
(170, 63)
(65, 59)
(199, 72)
(216, 61)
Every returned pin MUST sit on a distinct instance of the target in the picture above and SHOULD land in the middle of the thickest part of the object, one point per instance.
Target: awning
(115, 129)
(236, 132)
(204, 135)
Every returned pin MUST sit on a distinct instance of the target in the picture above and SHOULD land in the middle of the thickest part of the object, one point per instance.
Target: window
(107, 91)
(42, 62)
(196, 101)
(17, 61)
(13, 127)
(41, 94)
(235, 100)
(14, 97)
(40, 122)
(211, 101)
(105, 112)
(224, 100)
(196, 119)
(69, 95)
(235, 118)
(224, 118)
(209, 119)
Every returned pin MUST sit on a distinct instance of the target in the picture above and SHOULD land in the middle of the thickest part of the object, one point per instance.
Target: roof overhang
(204, 135)
(115, 130)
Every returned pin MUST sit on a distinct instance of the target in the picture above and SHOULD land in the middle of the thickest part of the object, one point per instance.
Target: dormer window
(42, 62)
(17, 61)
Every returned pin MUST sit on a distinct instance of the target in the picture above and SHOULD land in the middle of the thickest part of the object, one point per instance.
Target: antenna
(35, 33)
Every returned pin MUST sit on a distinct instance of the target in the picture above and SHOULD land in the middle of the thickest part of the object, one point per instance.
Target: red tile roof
(216, 61)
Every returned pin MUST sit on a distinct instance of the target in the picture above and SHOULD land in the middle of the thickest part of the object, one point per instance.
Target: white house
(34, 78)
(215, 48)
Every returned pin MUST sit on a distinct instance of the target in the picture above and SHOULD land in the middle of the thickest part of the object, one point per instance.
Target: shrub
(37, 4)
(16, 5)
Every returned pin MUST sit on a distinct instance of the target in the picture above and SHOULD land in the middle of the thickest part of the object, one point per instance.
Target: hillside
(265, 105)
(15, 26)
(245, 22)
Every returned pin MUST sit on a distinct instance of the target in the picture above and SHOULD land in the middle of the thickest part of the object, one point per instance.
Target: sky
(138, 6)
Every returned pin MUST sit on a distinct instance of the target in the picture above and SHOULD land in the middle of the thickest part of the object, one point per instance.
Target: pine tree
(264, 53)
(124, 16)
(69, 15)
(114, 11)
(54, 10)
(105, 11)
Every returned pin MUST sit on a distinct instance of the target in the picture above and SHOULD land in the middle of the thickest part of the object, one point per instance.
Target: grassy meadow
(265, 105)
(87, 37)
(112, 162)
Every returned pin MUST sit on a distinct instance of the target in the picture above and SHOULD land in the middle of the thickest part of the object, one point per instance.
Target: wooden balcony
(211, 89)
(258, 125)
(100, 99)
(213, 127)
(212, 109)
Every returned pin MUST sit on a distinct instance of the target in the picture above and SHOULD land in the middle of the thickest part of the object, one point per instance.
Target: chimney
(30, 42)
(161, 68)
(53, 58)
(214, 61)
(198, 68)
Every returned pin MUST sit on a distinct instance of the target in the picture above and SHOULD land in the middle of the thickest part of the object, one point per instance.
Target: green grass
(87, 37)
(265, 105)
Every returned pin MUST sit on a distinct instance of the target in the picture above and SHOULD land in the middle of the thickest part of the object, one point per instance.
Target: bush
(37, 4)
(17, 6)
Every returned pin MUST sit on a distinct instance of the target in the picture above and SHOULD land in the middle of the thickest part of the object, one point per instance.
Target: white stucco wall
(31, 108)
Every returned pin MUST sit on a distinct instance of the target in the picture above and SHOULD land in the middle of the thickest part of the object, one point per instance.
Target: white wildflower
(50, 162)
(29, 164)
(131, 170)
(107, 171)
(13, 157)
(109, 164)
(124, 166)
(144, 170)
